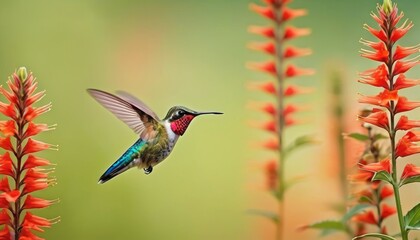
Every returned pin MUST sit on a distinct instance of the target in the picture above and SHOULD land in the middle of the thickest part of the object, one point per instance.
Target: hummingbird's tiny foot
(148, 170)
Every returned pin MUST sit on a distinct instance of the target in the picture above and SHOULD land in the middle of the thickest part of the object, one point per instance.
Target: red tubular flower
(377, 77)
(291, 52)
(293, 32)
(402, 82)
(293, 90)
(386, 191)
(268, 47)
(267, 87)
(17, 163)
(387, 210)
(268, 67)
(378, 118)
(293, 71)
(405, 124)
(270, 170)
(404, 105)
(406, 146)
(366, 217)
(402, 52)
(410, 170)
(381, 100)
(384, 165)
(264, 31)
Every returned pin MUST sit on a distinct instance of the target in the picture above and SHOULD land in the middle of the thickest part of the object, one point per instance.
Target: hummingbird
(157, 137)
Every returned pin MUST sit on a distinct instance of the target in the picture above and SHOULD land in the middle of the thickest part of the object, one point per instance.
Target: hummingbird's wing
(136, 117)
(138, 103)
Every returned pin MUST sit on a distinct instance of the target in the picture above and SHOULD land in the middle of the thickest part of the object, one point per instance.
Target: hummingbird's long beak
(202, 113)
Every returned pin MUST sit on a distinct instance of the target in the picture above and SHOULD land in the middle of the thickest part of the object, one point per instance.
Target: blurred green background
(167, 53)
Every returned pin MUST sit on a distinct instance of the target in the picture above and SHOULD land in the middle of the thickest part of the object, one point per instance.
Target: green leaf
(299, 142)
(358, 136)
(380, 136)
(328, 225)
(382, 176)
(353, 211)
(412, 219)
(375, 235)
(270, 215)
(410, 180)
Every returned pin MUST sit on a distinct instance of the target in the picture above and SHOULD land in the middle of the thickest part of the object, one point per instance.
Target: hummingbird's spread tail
(125, 162)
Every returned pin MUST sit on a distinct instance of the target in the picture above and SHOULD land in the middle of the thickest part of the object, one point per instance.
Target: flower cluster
(369, 191)
(281, 113)
(23, 172)
(390, 75)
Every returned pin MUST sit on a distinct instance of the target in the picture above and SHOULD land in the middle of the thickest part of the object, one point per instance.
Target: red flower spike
(293, 32)
(402, 82)
(8, 128)
(6, 144)
(401, 31)
(386, 191)
(263, 11)
(270, 170)
(405, 124)
(293, 71)
(33, 202)
(403, 66)
(402, 52)
(366, 217)
(268, 67)
(33, 161)
(403, 105)
(268, 47)
(289, 13)
(387, 210)
(33, 146)
(378, 118)
(264, 31)
(384, 165)
(410, 170)
(406, 147)
(293, 90)
(291, 52)
(267, 87)
(376, 77)
(382, 99)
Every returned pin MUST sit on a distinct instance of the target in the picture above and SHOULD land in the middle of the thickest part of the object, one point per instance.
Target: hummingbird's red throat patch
(180, 126)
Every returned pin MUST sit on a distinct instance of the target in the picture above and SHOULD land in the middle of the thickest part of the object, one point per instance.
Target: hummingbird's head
(180, 118)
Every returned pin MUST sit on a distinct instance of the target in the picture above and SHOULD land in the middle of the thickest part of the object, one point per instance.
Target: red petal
(384, 165)
(4, 217)
(34, 174)
(263, 11)
(402, 52)
(403, 66)
(292, 90)
(264, 31)
(292, 32)
(4, 185)
(33, 161)
(386, 191)
(387, 211)
(6, 165)
(268, 67)
(365, 217)
(405, 124)
(293, 71)
(35, 146)
(8, 128)
(403, 105)
(289, 13)
(7, 110)
(410, 170)
(34, 222)
(271, 144)
(270, 170)
(380, 34)
(267, 87)
(382, 99)
(34, 129)
(32, 185)
(406, 147)
(26, 234)
(378, 118)
(33, 202)
(268, 47)
(291, 52)
(11, 196)
(376, 77)
(402, 82)
(401, 31)
(6, 144)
